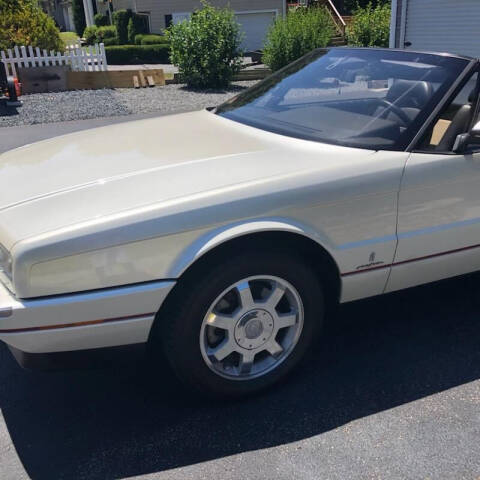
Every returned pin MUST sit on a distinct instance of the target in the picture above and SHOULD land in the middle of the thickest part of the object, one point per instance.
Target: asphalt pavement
(392, 391)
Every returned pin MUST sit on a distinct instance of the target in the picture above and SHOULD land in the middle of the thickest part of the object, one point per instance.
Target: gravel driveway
(83, 104)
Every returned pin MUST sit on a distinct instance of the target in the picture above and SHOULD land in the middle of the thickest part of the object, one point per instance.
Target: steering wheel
(389, 106)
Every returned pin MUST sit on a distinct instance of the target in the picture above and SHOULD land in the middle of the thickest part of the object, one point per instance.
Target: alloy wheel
(251, 327)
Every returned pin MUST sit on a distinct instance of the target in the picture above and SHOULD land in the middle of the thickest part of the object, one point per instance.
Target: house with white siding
(436, 25)
(254, 16)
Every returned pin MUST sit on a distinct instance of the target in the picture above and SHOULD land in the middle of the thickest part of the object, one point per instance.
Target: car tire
(269, 340)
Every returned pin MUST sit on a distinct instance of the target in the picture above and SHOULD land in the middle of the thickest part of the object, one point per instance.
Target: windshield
(367, 98)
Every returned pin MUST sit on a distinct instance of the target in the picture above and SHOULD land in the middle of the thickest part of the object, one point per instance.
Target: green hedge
(101, 20)
(107, 35)
(110, 41)
(137, 54)
(90, 34)
(150, 39)
(120, 20)
(106, 32)
(135, 27)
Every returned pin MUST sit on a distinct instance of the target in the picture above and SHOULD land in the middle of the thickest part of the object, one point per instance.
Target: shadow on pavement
(112, 423)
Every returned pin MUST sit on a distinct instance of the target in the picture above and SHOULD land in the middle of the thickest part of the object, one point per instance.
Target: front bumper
(104, 318)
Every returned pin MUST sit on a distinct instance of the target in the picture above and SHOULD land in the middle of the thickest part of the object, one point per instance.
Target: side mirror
(466, 139)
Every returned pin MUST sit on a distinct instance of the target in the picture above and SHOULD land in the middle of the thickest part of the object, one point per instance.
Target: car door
(439, 200)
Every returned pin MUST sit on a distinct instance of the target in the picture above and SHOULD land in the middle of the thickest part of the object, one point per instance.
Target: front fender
(225, 233)
(159, 257)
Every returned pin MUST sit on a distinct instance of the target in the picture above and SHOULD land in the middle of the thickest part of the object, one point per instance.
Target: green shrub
(142, 39)
(23, 22)
(295, 35)
(370, 26)
(101, 20)
(108, 42)
(206, 48)
(108, 32)
(78, 16)
(137, 54)
(95, 34)
(135, 27)
(90, 34)
(120, 20)
(69, 38)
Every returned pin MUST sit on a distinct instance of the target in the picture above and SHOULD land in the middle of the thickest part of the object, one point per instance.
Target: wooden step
(337, 42)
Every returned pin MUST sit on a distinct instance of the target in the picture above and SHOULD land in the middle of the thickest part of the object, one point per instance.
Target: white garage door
(444, 26)
(255, 27)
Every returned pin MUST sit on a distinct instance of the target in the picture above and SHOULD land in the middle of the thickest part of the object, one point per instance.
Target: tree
(79, 16)
(206, 47)
(23, 22)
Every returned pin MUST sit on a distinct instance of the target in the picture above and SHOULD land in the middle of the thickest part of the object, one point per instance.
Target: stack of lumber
(115, 79)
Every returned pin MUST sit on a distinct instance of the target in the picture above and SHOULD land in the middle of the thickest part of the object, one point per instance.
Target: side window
(453, 120)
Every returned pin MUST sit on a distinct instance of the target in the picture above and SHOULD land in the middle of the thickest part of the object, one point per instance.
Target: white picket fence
(81, 59)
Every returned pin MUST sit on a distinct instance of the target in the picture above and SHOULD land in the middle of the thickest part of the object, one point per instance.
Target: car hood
(97, 173)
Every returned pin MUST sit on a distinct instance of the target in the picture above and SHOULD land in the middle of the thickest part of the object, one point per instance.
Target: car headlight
(5, 262)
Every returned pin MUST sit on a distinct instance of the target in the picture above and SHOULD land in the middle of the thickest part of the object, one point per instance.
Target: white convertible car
(219, 236)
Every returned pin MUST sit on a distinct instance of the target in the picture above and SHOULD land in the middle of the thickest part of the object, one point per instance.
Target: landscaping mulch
(85, 104)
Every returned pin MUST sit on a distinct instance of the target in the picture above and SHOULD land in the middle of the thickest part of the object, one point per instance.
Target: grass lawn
(70, 38)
